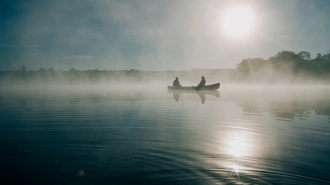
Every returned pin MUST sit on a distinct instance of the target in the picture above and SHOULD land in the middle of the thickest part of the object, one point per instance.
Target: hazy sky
(153, 34)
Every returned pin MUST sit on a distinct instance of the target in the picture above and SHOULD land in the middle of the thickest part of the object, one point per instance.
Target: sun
(238, 22)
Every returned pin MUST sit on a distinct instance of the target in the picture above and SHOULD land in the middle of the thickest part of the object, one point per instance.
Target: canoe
(206, 87)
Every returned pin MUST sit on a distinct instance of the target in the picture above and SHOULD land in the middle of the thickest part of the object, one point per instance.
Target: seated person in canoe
(201, 84)
(176, 82)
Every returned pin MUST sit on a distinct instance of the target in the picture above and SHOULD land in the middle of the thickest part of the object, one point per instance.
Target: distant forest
(284, 67)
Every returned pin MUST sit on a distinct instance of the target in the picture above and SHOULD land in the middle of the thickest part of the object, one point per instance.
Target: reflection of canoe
(207, 87)
(202, 92)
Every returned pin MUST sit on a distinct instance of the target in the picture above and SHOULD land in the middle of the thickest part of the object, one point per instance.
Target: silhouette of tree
(51, 70)
(23, 68)
(285, 57)
(250, 66)
(305, 55)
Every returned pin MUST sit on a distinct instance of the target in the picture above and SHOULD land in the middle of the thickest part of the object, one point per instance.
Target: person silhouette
(176, 82)
(201, 84)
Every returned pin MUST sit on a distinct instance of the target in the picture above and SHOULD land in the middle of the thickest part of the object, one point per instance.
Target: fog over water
(144, 134)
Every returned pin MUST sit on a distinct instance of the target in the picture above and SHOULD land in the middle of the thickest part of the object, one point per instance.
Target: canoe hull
(207, 87)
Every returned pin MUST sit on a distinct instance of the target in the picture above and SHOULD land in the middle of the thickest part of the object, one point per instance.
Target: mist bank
(285, 67)
(286, 102)
(51, 76)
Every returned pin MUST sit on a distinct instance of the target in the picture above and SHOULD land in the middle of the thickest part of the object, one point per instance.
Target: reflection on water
(238, 144)
(201, 94)
(136, 136)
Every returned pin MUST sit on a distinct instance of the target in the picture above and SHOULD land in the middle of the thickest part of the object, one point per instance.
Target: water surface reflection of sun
(239, 144)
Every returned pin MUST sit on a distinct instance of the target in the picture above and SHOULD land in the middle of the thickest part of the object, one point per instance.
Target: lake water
(147, 135)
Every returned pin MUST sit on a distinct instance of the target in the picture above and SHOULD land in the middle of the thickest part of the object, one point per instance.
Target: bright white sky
(157, 35)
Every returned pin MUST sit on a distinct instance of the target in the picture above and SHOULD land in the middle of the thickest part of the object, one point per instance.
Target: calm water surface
(139, 135)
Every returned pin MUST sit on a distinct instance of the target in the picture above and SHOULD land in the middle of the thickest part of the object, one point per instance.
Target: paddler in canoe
(176, 83)
(201, 84)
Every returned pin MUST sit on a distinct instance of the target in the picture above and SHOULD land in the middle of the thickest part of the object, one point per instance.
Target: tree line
(73, 76)
(284, 67)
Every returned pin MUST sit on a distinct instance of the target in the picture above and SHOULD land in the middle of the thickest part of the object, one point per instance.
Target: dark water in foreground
(241, 135)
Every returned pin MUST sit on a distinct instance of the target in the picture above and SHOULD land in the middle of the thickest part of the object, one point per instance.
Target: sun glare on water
(238, 22)
(239, 145)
